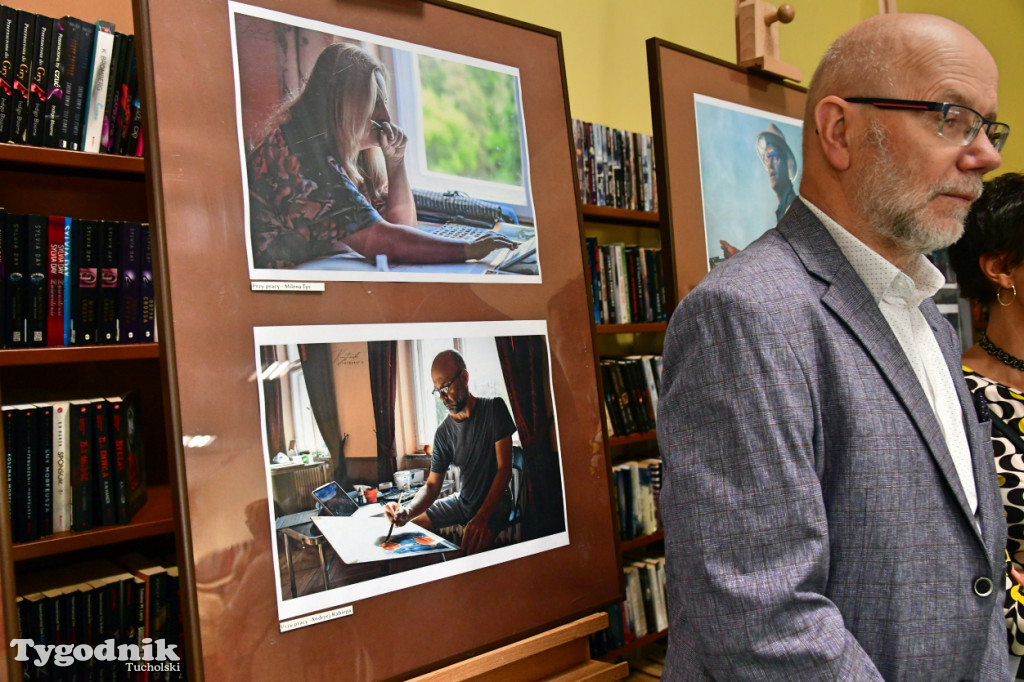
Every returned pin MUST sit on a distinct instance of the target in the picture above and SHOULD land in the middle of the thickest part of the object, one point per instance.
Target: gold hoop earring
(999, 295)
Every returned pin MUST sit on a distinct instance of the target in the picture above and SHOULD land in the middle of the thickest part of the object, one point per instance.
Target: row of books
(615, 167)
(73, 464)
(627, 282)
(68, 84)
(631, 385)
(637, 493)
(74, 282)
(643, 612)
(132, 599)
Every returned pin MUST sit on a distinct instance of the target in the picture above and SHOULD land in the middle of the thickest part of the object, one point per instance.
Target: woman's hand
(392, 141)
(485, 245)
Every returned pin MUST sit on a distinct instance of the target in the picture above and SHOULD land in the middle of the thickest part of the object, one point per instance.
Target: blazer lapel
(853, 305)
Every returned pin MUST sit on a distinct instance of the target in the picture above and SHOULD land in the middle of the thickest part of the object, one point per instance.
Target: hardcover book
(99, 82)
(22, 75)
(56, 84)
(38, 81)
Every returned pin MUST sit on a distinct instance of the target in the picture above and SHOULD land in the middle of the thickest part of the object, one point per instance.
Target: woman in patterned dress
(329, 177)
(989, 263)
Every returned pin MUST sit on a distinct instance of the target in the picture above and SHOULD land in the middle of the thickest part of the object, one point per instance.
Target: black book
(85, 236)
(10, 421)
(611, 400)
(118, 64)
(104, 505)
(118, 426)
(129, 457)
(71, 249)
(56, 89)
(8, 46)
(44, 468)
(148, 295)
(129, 290)
(106, 306)
(15, 255)
(79, 66)
(3, 277)
(36, 266)
(82, 465)
(27, 425)
(39, 81)
(23, 54)
(129, 95)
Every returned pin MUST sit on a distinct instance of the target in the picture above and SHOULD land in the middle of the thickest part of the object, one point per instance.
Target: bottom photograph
(401, 454)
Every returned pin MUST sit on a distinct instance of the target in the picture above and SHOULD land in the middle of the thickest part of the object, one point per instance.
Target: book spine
(126, 95)
(129, 292)
(70, 281)
(105, 506)
(44, 457)
(80, 41)
(39, 81)
(37, 265)
(135, 460)
(110, 109)
(55, 275)
(15, 254)
(88, 253)
(118, 447)
(81, 466)
(56, 89)
(8, 47)
(99, 81)
(10, 419)
(28, 442)
(106, 308)
(147, 295)
(61, 470)
(3, 278)
(22, 76)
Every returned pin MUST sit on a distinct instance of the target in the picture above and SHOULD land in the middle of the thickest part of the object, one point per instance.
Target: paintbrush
(399, 506)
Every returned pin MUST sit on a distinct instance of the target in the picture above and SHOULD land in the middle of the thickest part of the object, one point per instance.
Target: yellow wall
(606, 60)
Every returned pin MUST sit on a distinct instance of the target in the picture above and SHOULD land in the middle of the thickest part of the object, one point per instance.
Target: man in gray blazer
(830, 502)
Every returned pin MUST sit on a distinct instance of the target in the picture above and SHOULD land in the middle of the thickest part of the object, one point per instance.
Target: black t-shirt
(469, 445)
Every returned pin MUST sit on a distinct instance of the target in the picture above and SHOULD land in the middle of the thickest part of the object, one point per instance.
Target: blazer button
(983, 586)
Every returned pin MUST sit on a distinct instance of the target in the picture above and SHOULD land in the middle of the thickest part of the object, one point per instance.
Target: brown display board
(223, 322)
(744, 108)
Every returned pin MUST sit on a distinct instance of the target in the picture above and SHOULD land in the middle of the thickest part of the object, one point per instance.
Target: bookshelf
(59, 182)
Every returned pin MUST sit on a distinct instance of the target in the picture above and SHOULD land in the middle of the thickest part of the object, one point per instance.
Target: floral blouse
(1008, 405)
(301, 202)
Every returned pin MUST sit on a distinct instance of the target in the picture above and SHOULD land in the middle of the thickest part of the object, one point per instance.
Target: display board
(728, 152)
(284, 373)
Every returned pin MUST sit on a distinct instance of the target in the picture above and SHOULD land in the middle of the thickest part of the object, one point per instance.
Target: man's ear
(995, 266)
(831, 129)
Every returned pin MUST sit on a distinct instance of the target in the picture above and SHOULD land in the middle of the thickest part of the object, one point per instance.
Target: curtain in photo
(318, 372)
(524, 366)
(383, 382)
(272, 404)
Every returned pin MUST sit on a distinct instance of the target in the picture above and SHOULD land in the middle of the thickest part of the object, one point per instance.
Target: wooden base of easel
(561, 654)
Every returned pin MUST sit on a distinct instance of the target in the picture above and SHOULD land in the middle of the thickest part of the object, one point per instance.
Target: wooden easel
(562, 653)
(757, 37)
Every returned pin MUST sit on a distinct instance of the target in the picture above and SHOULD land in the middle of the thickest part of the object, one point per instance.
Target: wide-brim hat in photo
(774, 136)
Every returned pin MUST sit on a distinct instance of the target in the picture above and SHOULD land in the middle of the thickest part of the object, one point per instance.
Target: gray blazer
(815, 526)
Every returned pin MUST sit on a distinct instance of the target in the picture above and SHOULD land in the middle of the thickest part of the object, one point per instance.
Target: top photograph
(372, 159)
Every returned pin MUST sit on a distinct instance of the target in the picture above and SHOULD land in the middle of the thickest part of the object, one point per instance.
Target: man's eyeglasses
(444, 388)
(958, 124)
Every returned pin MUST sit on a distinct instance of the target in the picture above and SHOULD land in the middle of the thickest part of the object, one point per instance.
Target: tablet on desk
(334, 500)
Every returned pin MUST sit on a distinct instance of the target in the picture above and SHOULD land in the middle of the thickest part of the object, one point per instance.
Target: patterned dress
(301, 201)
(1008, 405)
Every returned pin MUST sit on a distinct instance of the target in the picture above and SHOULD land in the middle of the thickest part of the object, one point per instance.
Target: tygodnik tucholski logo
(153, 655)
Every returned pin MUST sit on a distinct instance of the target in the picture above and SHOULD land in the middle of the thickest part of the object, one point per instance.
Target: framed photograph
(357, 408)
(728, 153)
(239, 473)
(750, 163)
(370, 158)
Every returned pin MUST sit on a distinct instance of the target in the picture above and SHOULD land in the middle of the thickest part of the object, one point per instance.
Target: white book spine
(96, 103)
(61, 468)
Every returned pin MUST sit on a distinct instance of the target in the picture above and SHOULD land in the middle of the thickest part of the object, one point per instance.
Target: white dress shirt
(899, 294)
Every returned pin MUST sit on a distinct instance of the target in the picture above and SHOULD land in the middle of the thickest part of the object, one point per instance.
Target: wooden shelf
(608, 214)
(614, 441)
(638, 643)
(155, 518)
(638, 328)
(642, 541)
(64, 354)
(62, 160)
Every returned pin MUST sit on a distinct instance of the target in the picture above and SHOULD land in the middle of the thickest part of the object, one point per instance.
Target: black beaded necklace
(1000, 354)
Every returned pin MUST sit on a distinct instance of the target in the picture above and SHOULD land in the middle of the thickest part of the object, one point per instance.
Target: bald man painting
(830, 503)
